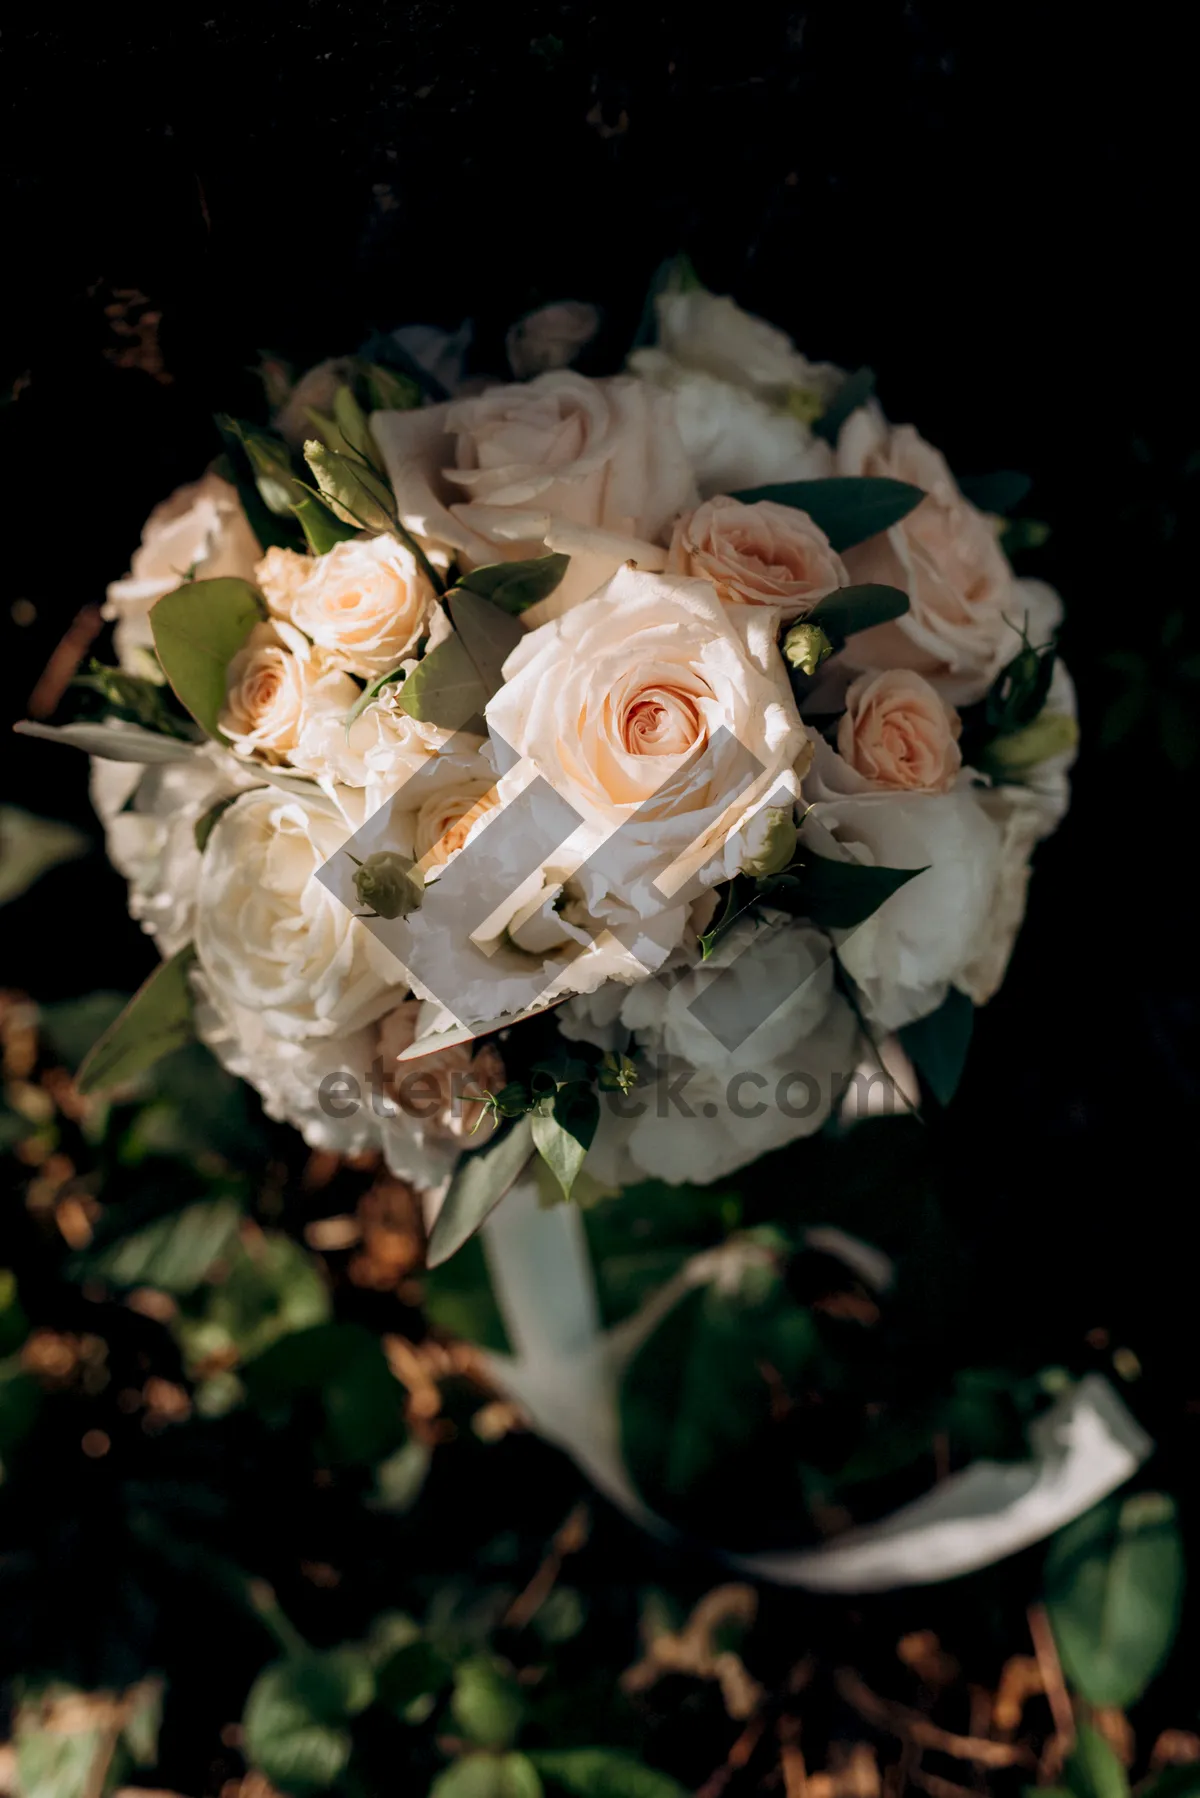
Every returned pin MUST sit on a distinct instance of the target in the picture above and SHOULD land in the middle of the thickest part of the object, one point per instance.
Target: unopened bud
(386, 883)
(806, 646)
(1021, 751)
(617, 1074)
(770, 842)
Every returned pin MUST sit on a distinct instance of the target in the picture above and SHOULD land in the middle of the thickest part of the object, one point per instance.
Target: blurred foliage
(264, 1526)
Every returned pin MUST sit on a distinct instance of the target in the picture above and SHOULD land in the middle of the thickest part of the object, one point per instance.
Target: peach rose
(279, 576)
(446, 820)
(365, 604)
(758, 555)
(965, 606)
(595, 469)
(898, 732)
(274, 687)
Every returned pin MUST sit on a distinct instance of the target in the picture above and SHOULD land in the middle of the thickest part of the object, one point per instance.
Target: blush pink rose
(759, 555)
(898, 732)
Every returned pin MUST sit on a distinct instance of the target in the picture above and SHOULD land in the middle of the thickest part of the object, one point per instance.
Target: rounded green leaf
(198, 629)
(487, 1704)
(1113, 1588)
(483, 1775)
(604, 1773)
(295, 1718)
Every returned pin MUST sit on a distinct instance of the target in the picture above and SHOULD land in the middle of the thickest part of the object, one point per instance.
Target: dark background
(992, 209)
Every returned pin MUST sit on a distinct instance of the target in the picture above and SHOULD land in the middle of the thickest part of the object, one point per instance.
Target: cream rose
(275, 686)
(732, 437)
(271, 938)
(899, 733)
(965, 607)
(279, 576)
(595, 469)
(365, 765)
(364, 604)
(200, 533)
(664, 719)
(760, 555)
(710, 333)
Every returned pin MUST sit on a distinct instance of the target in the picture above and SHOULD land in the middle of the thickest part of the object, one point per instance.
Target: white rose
(710, 333)
(382, 750)
(758, 555)
(276, 685)
(733, 439)
(965, 606)
(907, 954)
(320, 1086)
(364, 604)
(665, 720)
(595, 469)
(1021, 821)
(742, 1054)
(272, 938)
(200, 533)
(150, 817)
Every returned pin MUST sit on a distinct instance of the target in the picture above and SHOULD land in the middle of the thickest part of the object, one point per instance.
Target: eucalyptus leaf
(603, 1773)
(854, 392)
(847, 610)
(563, 1131)
(488, 635)
(997, 493)
(848, 508)
(1092, 1769)
(111, 742)
(937, 1045)
(479, 1184)
(445, 689)
(834, 895)
(515, 586)
(156, 1020)
(1113, 1583)
(322, 528)
(198, 629)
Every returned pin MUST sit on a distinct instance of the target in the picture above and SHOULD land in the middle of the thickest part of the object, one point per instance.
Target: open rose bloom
(599, 776)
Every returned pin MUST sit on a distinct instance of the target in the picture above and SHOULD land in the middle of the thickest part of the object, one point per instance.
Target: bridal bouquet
(585, 786)
(607, 770)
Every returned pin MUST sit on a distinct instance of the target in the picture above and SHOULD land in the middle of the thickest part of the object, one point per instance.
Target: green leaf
(563, 1131)
(488, 635)
(352, 489)
(271, 1288)
(1181, 1781)
(269, 529)
(848, 508)
(415, 1670)
(487, 1703)
(937, 1045)
(133, 698)
(203, 827)
(848, 610)
(740, 895)
(388, 390)
(322, 530)
(112, 743)
(834, 895)
(1092, 1769)
(351, 421)
(30, 847)
(854, 392)
(1113, 1585)
(483, 1775)
(479, 1184)
(271, 462)
(156, 1020)
(515, 586)
(457, 1297)
(173, 1253)
(294, 1723)
(340, 1372)
(445, 689)
(604, 1773)
(996, 493)
(198, 629)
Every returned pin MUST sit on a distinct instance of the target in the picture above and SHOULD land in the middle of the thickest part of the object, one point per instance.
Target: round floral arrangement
(577, 782)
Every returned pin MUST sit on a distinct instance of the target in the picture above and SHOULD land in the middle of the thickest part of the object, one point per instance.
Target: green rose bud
(770, 842)
(355, 492)
(806, 646)
(386, 883)
(1017, 754)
